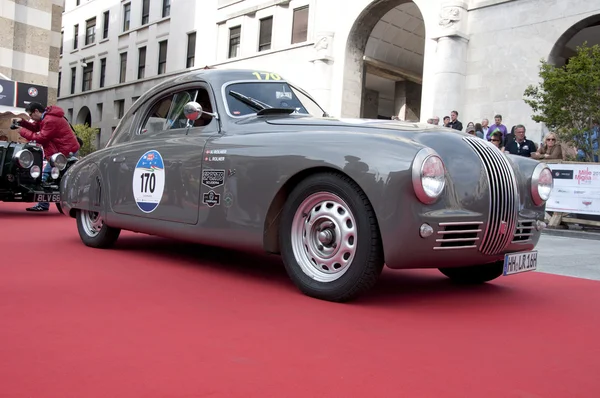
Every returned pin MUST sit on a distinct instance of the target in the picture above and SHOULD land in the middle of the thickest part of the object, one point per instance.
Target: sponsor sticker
(213, 178)
(149, 181)
(211, 199)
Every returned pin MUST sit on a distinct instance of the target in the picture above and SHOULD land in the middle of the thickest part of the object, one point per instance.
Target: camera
(15, 124)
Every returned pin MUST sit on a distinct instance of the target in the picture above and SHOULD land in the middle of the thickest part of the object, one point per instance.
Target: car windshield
(249, 98)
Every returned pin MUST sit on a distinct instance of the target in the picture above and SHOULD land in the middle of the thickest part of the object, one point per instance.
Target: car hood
(394, 125)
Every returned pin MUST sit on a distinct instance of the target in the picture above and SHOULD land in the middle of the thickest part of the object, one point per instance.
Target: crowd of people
(514, 141)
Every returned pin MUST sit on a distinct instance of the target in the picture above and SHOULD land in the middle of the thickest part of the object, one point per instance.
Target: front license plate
(47, 197)
(516, 263)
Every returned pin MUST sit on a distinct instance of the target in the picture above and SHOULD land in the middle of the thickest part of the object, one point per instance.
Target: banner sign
(27, 93)
(576, 188)
(7, 92)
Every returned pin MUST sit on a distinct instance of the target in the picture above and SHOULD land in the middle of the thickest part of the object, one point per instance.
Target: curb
(568, 233)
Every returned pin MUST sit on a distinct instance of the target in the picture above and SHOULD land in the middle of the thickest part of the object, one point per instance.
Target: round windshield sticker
(149, 181)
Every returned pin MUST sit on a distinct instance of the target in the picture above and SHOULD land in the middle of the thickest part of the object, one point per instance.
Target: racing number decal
(149, 181)
(266, 76)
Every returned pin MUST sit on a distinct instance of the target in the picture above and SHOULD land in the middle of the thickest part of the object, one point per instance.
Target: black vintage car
(21, 166)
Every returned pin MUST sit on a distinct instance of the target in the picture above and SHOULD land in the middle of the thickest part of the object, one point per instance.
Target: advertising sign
(576, 188)
(27, 93)
(7, 92)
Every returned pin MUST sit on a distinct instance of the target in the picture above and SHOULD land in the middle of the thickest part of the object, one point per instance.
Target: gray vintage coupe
(245, 160)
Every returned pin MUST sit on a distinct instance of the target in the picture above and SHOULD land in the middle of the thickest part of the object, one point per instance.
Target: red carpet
(157, 318)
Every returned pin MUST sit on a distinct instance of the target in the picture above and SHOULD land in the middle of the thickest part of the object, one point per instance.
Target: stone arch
(84, 116)
(588, 29)
(385, 51)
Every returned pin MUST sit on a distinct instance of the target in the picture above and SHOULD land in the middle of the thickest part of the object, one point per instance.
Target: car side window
(177, 119)
(157, 118)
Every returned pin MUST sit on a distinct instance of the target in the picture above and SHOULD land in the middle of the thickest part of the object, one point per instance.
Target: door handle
(119, 159)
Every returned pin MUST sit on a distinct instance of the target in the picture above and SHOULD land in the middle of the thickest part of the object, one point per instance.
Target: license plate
(515, 263)
(47, 197)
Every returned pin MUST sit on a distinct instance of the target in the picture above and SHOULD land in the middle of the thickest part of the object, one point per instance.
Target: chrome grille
(524, 231)
(503, 197)
(458, 235)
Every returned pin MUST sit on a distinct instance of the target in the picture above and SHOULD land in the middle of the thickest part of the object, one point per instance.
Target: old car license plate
(47, 197)
(516, 263)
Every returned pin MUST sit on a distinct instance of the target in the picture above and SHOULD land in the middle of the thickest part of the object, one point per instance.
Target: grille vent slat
(503, 197)
(458, 235)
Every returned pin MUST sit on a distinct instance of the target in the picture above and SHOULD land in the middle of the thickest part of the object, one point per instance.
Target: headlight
(59, 161)
(55, 173)
(25, 158)
(35, 171)
(542, 184)
(428, 175)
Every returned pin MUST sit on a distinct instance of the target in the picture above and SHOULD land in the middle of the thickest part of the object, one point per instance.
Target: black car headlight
(59, 161)
(24, 158)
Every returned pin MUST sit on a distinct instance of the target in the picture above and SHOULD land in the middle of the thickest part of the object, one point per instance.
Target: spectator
(479, 130)
(455, 123)
(485, 126)
(520, 145)
(429, 121)
(594, 143)
(552, 149)
(436, 120)
(498, 126)
(446, 121)
(496, 139)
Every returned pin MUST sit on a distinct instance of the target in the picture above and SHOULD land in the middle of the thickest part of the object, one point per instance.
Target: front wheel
(94, 232)
(476, 274)
(329, 238)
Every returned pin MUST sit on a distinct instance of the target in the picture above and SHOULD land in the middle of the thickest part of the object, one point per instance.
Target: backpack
(79, 140)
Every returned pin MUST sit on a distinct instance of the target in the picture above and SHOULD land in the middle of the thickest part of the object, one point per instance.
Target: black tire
(361, 271)
(59, 207)
(103, 238)
(474, 275)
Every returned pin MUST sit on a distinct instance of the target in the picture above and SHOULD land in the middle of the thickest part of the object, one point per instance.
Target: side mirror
(192, 111)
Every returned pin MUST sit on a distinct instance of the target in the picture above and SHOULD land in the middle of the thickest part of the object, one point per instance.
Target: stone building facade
(30, 42)
(359, 58)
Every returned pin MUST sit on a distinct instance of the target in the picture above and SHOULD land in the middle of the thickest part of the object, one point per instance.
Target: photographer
(52, 131)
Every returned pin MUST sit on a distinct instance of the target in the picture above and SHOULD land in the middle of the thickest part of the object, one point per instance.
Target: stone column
(451, 59)
(407, 100)
(370, 104)
(323, 69)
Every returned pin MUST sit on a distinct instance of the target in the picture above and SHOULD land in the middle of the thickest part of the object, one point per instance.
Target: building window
(191, 50)
(266, 33)
(102, 71)
(145, 11)
(62, 40)
(234, 41)
(73, 77)
(123, 69)
(300, 25)
(141, 63)
(119, 108)
(166, 9)
(100, 108)
(126, 16)
(105, 24)
(58, 88)
(75, 37)
(162, 57)
(88, 73)
(90, 31)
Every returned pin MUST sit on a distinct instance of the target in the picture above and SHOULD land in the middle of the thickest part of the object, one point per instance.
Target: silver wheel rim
(324, 237)
(92, 223)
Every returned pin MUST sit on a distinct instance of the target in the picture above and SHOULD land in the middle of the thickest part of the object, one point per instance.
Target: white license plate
(516, 263)
(47, 197)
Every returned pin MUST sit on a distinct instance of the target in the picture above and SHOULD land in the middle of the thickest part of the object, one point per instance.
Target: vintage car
(21, 166)
(245, 160)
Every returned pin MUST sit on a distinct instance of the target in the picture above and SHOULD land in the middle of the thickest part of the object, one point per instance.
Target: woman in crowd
(496, 139)
(551, 149)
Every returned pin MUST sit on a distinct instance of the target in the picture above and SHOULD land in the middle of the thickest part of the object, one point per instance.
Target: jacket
(53, 133)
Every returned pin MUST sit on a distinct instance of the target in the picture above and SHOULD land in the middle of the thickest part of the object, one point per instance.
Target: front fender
(80, 187)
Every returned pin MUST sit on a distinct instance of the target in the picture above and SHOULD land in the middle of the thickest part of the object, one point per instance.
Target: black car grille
(504, 200)
(24, 174)
(524, 231)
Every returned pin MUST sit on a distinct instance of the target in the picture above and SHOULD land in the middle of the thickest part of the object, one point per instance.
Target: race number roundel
(149, 181)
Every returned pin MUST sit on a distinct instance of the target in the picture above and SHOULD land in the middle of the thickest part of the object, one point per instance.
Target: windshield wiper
(254, 103)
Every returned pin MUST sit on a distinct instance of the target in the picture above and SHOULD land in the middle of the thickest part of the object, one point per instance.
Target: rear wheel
(476, 274)
(329, 238)
(93, 231)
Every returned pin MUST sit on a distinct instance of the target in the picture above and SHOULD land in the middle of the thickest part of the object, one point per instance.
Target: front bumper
(30, 195)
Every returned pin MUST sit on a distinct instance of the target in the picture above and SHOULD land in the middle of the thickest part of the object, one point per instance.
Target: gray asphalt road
(569, 256)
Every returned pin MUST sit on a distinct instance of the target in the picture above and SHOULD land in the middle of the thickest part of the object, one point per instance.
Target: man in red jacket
(52, 131)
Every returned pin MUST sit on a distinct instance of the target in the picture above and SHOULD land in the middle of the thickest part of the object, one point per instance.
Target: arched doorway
(586, 30)
(384, 62)
(84, 116)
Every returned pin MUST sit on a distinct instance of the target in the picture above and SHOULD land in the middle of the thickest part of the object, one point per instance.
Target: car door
(157, 174)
